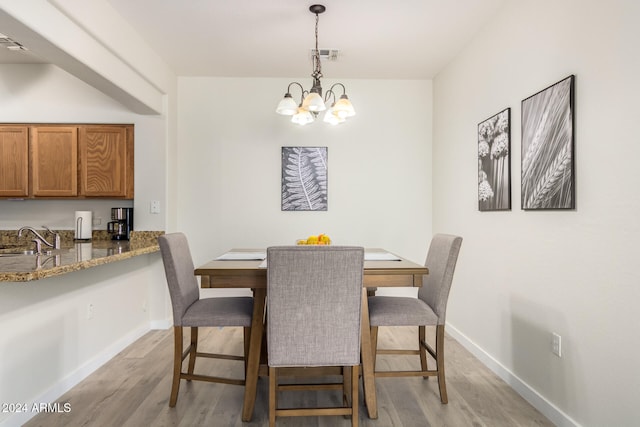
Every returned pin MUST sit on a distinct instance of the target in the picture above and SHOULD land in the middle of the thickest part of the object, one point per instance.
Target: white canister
(83, 225)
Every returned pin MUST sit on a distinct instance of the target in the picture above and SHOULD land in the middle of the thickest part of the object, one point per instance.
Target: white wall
(229, 166)
(523, 275)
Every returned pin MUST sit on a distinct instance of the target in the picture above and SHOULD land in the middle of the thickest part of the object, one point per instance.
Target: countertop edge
(80, 265)
(145, 243)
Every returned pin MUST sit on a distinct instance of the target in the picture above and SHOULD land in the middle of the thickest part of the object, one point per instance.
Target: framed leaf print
(548, 180)
(494, 162)
(304, 178)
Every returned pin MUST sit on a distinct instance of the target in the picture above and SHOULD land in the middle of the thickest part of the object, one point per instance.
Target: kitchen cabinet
(54, 161)
(106, 161)
(66, 161)
(14, 161)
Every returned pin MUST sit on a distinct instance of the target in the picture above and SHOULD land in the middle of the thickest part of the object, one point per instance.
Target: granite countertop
(73, 255)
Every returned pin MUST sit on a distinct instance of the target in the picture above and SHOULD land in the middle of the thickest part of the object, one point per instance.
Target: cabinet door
(106, 161)
(14, 161)
(54, 161)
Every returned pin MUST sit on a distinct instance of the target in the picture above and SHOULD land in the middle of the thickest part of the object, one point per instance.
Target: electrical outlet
(556, 344)
(97, 221)
(144, 306)
(154, 207)
(90, 311)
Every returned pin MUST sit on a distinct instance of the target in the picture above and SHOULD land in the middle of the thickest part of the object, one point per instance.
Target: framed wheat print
(304, 178)
(548, 180)
(494, 162)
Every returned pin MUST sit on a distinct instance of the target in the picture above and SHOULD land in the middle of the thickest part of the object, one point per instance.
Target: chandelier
(311, 101)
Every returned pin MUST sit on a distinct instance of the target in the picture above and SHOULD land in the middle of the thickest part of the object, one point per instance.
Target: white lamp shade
(331, 118)
(343, 107)
(302, 117)
(314, 102)
(287, 107)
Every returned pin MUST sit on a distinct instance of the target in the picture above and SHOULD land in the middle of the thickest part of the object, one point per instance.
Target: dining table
(247, 269)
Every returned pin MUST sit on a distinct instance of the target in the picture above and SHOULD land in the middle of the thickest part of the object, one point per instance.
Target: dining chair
(429, 309)
(189, 310)
(314, 302)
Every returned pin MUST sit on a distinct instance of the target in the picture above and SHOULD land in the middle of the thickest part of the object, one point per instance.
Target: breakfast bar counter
(72, 256)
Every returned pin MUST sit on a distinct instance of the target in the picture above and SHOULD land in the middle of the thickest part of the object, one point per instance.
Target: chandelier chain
(317, 71)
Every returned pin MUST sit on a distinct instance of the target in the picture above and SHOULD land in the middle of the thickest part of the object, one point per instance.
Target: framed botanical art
(548, 180)
(304, 178)
(494, 162)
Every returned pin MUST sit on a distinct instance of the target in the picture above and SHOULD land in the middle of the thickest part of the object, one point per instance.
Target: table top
(377, 273)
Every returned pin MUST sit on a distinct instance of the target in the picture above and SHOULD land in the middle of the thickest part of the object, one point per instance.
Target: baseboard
(160, 324)
(71, 380)
(548, 409)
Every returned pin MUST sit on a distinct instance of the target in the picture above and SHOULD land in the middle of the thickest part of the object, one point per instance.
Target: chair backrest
(441, 261)
(178, 267)
(314, 296)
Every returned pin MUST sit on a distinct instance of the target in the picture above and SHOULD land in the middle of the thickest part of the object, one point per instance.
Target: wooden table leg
(368, 377)
(255, 345)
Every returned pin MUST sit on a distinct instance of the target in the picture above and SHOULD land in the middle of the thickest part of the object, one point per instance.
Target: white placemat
(242, 256)
(380, 256)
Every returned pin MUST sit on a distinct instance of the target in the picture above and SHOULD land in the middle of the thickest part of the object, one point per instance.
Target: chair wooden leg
(350, 385)
(422, 338)
(440, 363)
(273, 397)
(355, 410)
(194, 349)
(346, 385)
(247, 341)
(374, 345)
(177, 365)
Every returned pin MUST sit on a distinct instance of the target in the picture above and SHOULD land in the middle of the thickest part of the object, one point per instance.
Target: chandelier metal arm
(328, 96)
(344, 89)
(302, 90)
(331, 92)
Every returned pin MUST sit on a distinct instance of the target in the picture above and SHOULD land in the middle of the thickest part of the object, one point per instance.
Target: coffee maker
(121, 223)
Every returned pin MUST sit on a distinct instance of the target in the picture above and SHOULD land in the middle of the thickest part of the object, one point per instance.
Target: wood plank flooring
(133, 390)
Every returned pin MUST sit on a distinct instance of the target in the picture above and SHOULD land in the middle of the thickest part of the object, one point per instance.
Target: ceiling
(377, 39)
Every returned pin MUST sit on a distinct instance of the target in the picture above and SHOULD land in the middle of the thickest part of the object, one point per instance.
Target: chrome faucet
(56, 237)
(40, 240)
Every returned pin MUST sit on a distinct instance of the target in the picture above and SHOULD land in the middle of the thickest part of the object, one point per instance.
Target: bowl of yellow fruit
(320, 239)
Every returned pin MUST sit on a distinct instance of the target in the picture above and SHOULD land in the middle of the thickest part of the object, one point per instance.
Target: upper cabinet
(106, 161)
(54, 161)
(66, 161)
(14, 161)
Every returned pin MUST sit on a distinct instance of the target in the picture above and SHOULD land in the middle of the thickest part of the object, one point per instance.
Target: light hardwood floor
(133, 389)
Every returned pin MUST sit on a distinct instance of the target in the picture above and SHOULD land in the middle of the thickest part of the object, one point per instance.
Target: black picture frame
(494, 162)
(304, 179)
(548, 148)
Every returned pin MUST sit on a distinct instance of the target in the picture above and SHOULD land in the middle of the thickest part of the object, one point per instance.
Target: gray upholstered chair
(314, 302)
(429, 309)
(191, 311)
